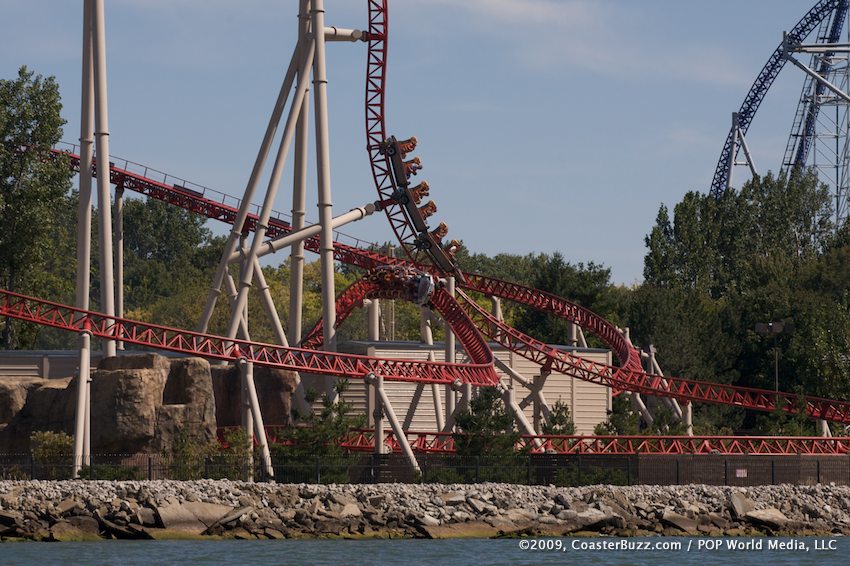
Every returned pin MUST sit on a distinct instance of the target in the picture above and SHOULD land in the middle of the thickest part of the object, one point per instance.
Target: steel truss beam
(443, 443)
(72, 319)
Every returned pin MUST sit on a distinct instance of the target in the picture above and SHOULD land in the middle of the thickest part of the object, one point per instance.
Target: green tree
(165, 247)
(622, 419)
(485, 427)
(766, 252)
(560, 421)
(586, 285)
(33, 184)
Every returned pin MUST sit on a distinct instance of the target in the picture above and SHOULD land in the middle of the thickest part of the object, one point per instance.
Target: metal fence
(533, 469)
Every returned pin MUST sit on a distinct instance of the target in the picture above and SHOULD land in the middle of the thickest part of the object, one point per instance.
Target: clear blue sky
(544, 125)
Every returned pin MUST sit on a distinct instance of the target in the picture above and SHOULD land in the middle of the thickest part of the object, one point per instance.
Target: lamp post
(775, 329)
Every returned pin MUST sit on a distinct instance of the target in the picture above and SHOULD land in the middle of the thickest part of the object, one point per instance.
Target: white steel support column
(394, 424)
(87, 438)
(107, 279)
(294, 237)
(84, 233)
(118, 227)
(377, 384)
(538, 394)
(250, 189)
(271, 312)
(451, 394)
(427, 337)
(411, 408)
(268, 303)
(572, 335)
(671, 403)
(323, 177)
(299, 193)
(246, 372)
(373, 309)
(247, 369)
(689, 418)
(496, 310)
(538, 382)
(641, 408)
(80, 425)
(509, 399)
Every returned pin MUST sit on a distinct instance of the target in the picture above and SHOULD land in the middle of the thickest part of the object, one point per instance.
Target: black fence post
(818, 468)
(150, 467)
(32, 466)
(578, 466)
(528, 469)
(678, 471)
(318, 470)
(773, 471)
(478, 469)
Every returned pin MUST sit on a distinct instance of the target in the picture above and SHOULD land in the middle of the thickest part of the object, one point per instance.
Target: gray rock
(740, 504)
(476, 505)
(88, 525)
(10, 518)
(350, 510)
(518, 515)
(680, 522)
(770, 517)
(67, 505)
(207, 513)
(428, 521)
(453, 498)
(146, 517)
(175, 516)
(377, 500)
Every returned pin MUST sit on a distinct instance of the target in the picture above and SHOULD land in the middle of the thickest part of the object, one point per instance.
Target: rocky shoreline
(89, 510)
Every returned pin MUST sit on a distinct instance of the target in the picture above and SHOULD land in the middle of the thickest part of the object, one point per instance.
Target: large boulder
(48, 406)
(13, 395)
(274, 392)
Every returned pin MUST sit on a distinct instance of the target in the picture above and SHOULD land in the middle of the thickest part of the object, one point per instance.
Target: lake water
(597, 551)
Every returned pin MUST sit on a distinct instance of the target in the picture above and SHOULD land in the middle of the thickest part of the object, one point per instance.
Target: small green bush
(53, 454)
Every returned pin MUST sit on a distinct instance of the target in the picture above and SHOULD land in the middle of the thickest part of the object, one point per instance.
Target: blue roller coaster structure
(829, 16)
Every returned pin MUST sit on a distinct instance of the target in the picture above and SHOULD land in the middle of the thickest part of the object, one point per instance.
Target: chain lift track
(467, 319)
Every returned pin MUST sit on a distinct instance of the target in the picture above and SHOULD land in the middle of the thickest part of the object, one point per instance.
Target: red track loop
(473, 343)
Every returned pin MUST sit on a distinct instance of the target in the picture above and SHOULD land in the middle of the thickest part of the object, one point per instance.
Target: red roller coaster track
(440, 442)
(467, 319)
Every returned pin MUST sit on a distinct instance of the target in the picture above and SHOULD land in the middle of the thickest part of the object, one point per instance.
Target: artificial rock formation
(274, 391)
(139, 403)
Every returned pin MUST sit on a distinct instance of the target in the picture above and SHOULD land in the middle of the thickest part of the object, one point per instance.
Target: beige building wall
(414, 406)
